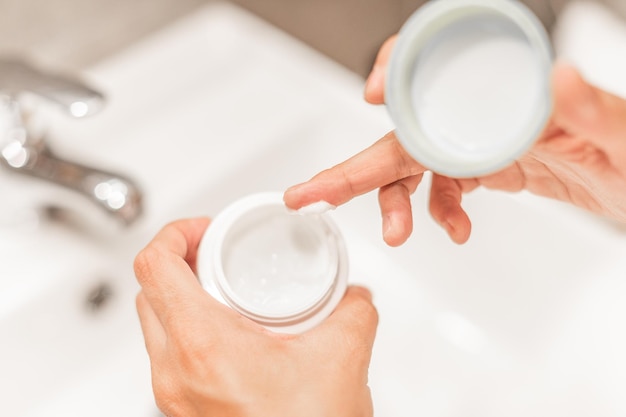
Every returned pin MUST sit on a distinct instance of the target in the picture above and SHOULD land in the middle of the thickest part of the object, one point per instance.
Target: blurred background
(532, 317)
(72, 34)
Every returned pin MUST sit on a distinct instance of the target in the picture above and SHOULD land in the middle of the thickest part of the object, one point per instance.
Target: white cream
(279, 264)
(476, 87)
(286, 272)
(319, 207)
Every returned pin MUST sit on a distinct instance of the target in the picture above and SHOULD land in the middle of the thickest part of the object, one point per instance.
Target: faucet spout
(115, 194)
(27, 152)
(75, 98)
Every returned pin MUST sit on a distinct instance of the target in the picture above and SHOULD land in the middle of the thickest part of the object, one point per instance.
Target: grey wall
(72, 34)
(351, 31)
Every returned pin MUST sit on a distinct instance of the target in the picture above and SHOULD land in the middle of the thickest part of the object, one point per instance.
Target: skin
(208, 360)
(580, 158)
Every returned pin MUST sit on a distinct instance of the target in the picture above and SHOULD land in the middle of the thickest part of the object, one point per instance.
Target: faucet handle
(76, 98)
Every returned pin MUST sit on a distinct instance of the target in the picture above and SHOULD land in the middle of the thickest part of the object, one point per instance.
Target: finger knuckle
(167, 397)
(405, 165)
(197, 357)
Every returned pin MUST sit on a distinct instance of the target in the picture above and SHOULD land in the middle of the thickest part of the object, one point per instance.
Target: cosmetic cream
(283, 269)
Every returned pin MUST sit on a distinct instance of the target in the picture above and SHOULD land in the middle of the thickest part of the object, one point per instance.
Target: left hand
(208, 360)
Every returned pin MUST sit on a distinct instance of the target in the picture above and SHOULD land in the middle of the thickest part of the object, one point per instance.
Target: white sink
(525, 319)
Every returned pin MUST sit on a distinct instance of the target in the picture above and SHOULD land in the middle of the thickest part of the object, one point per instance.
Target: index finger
(164, 268)
(384, 162)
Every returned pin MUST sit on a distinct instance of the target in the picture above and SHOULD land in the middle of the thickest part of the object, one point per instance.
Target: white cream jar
(284, 270)
(468, 85)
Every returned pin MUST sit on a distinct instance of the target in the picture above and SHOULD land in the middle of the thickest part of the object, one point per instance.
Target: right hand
(580, 159)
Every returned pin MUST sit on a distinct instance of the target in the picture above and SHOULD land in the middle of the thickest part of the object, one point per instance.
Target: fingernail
(453, 233)
(448, 227)
(362, 292)
(290, 196)
(387, 226)
(295, 188)
(373, 80)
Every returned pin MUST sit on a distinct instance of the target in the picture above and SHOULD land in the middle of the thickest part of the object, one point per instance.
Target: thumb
(584, 110)
(353, 322)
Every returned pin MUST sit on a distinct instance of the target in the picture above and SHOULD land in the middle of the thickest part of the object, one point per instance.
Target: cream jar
(468, 85)
(285, 270)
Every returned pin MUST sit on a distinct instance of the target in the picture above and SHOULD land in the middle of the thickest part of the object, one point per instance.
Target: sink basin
(525, 319)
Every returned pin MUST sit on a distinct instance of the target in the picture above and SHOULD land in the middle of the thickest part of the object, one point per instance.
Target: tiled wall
(72, 34)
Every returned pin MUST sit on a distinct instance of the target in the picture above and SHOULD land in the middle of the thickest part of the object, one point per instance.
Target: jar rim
(422, 27)
(213, 277)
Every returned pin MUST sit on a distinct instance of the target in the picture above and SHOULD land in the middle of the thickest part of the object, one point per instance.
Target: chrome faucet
(23, 148)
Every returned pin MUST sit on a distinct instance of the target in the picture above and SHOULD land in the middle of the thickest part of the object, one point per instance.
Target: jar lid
(284, 270)
(468, 85)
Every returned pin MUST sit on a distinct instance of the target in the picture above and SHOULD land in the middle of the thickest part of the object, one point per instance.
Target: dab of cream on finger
(319, 207)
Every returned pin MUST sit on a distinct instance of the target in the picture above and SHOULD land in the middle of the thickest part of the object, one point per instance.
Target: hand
(580, 158)
(208, 360)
